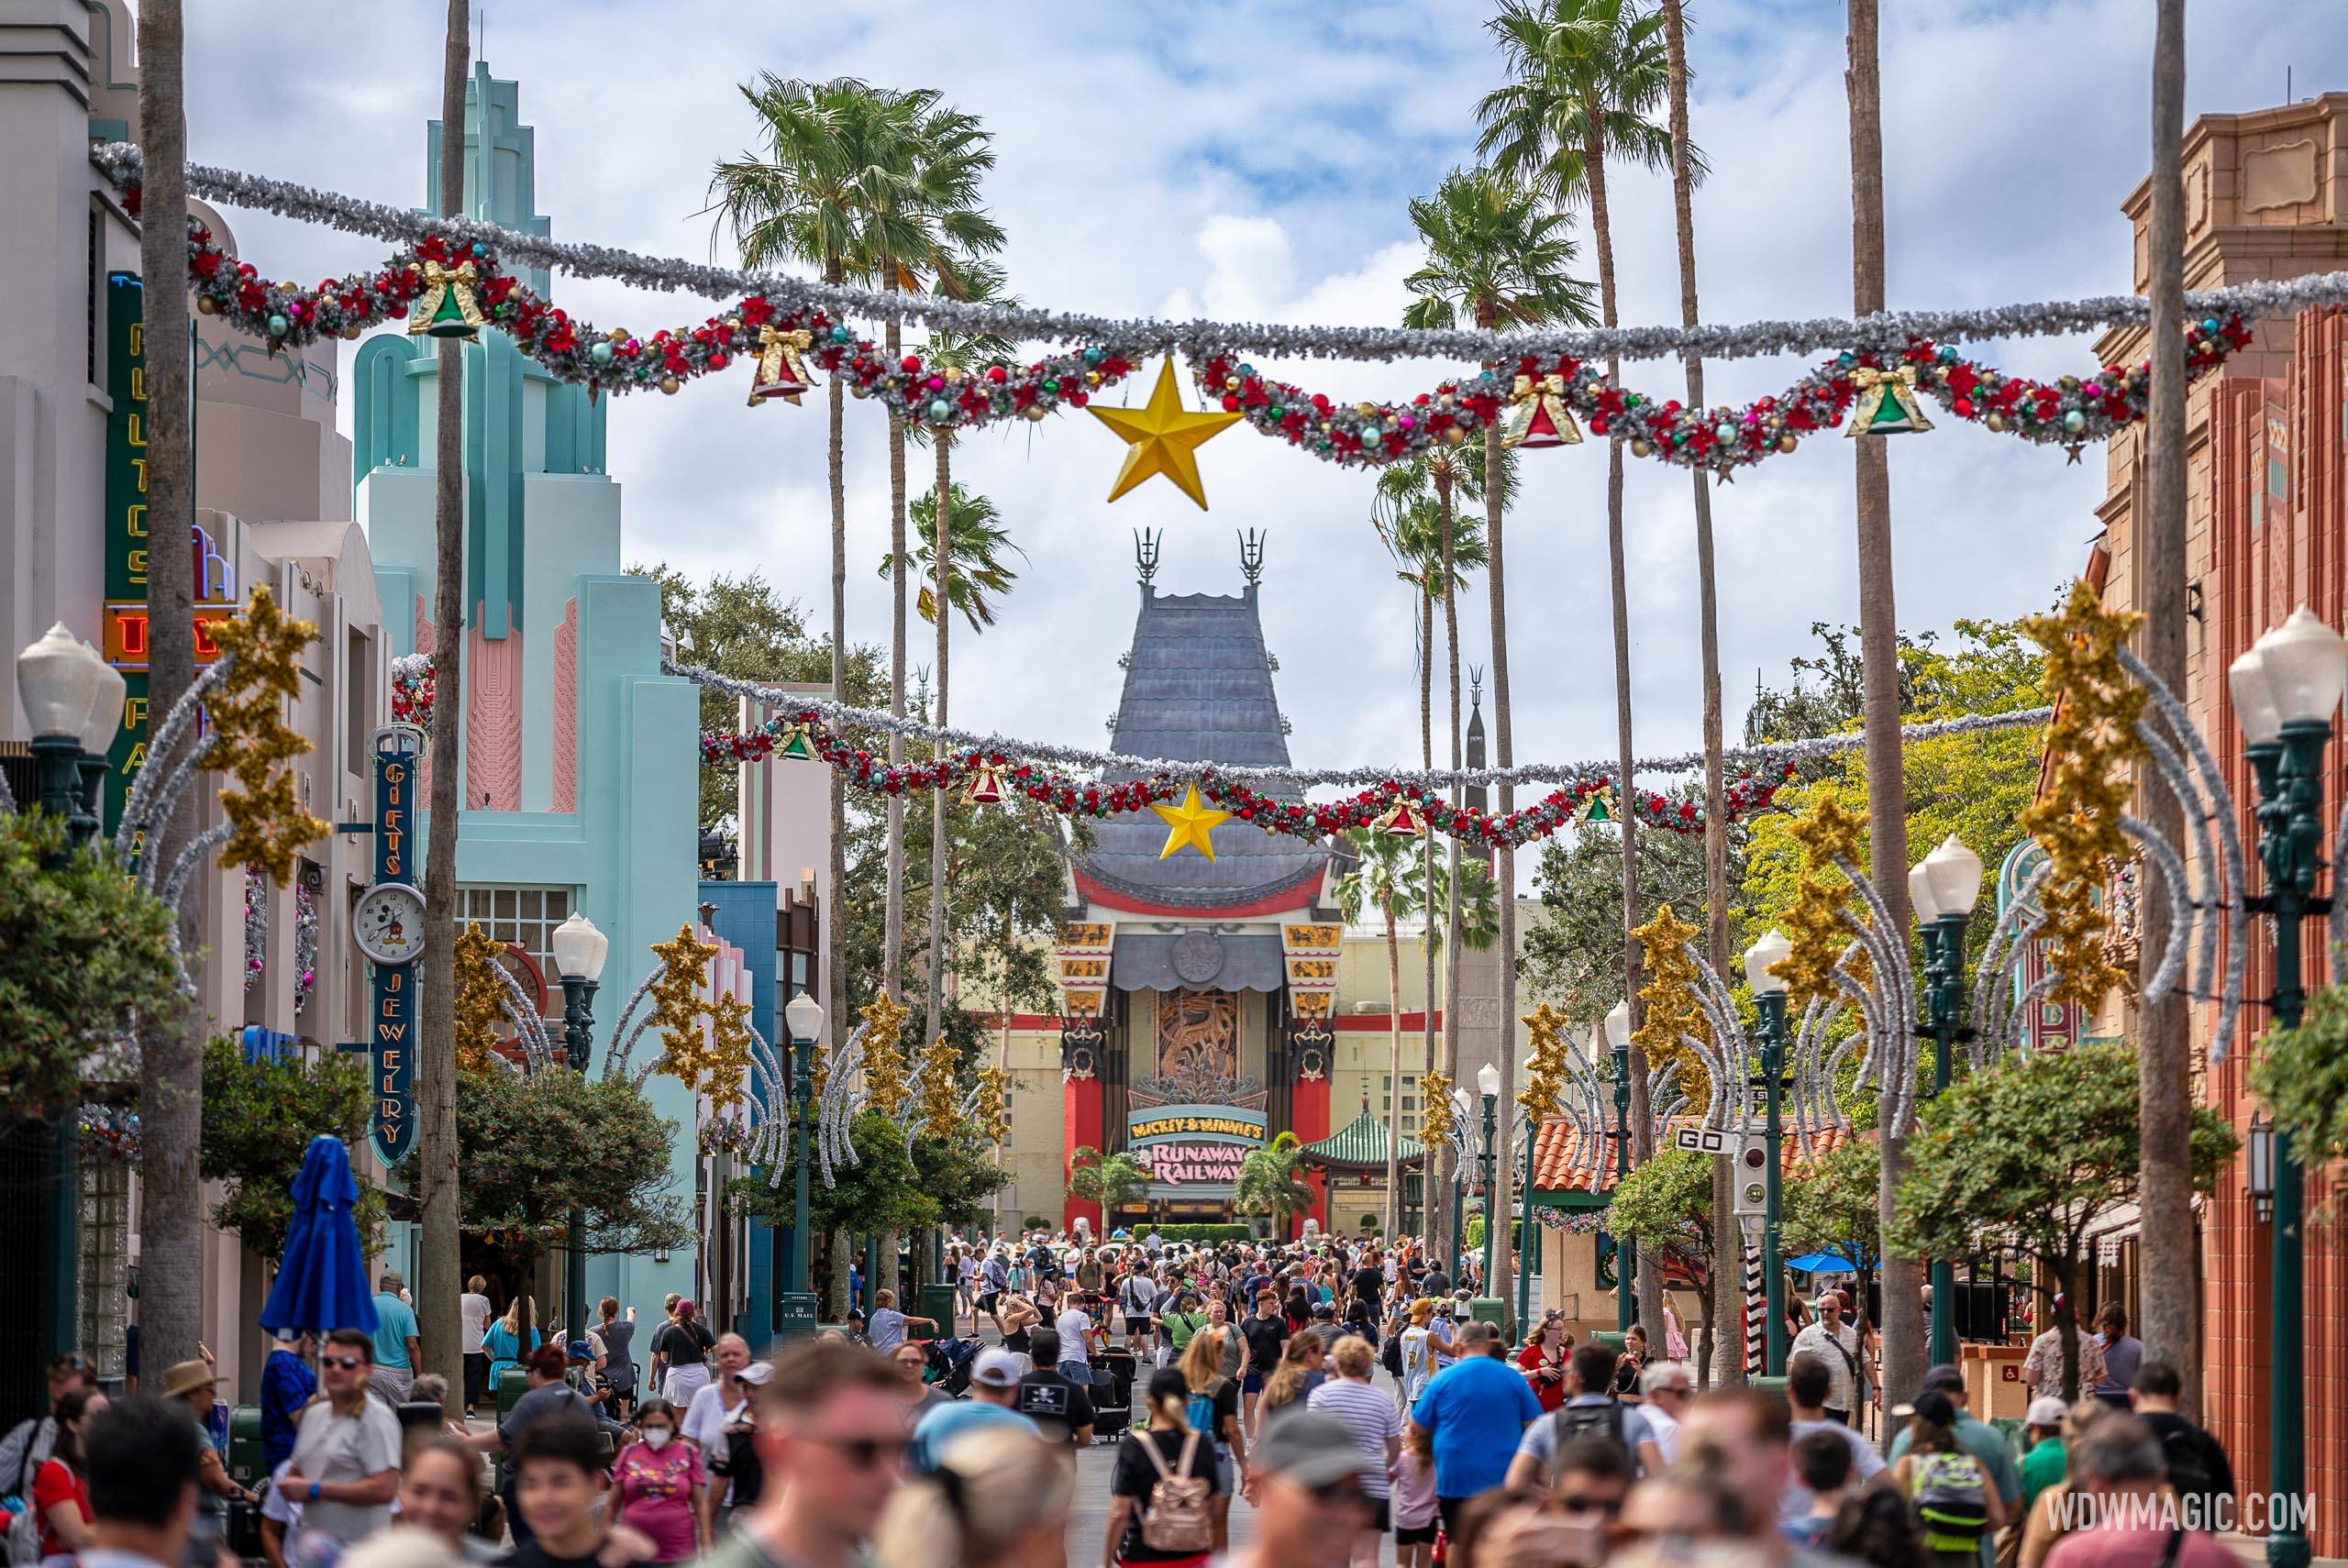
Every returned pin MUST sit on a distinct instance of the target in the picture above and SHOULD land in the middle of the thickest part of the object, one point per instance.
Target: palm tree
(819, 195)
(171, 1068)
(1904, 1351)
(1587, 75)
(1113, 1181)
(1386, 875)
(1495, 257)
(1721, 1287)
(977, 547)
(1272, 1182)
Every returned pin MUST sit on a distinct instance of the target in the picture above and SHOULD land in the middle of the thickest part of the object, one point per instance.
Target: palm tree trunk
(2164, 1064)
(1426, 760)
(1724, 1290)
(1903, 1320)
(938, 546)
(836, 910)
(1497, 1200)
(893, 928)
(438, 1281)
(1453, 948)
(1394, 1080)
(170, 1068)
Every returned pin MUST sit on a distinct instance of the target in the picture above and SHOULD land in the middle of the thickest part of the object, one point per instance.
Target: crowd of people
(1341, 1389)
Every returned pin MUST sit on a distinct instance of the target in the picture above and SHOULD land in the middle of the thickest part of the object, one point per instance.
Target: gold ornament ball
(733, 324)
(1996, 422)
(1092, 377)
(617, 335)
(1366, 410)
(1453, 436)
(1231, 384)
(350, 332)
(1642, 448)
(952, 375)
(206, 305)
(1035, 410)
(669, 384)
(1787, 443)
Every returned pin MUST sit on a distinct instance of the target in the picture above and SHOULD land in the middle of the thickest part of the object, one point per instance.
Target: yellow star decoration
(992, 1114)
(884, 1059)
(1672, 1008)
(252, 741)
(2093, 743)
(1814, 926)
(1545, 1075)
(940, 1098)
(729, 1058)
(1164, 438)
(677, 1007)
(478, 994)
(1435, 1121)
(1189, 824)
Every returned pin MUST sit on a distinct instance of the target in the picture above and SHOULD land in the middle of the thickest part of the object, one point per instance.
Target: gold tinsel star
(1189, 824)
(1672, 1008)
(884, 1061)
(730, 1051)
(677, 1007)
(252, 741)
(1544, 1072)
(478, 996)
(1163, 437)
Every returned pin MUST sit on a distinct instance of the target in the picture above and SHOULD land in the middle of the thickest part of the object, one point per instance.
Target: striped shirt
(1368, 1414)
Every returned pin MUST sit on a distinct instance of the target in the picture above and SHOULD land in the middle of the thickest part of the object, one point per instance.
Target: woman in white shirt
(474, 1313)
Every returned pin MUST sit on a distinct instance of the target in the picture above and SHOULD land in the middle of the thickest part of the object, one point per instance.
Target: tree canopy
(259, 1119)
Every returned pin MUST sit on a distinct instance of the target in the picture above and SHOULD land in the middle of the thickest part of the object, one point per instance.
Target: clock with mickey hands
(388, 924)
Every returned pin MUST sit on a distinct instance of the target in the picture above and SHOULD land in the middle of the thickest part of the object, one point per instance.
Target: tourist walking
(1165, 1488)
(706, 1422)
(1542, 1358)
(2123, 1354)
(1591, 1410)
(1309, 1507)
(1955, 1498)
(995, 1385)
(1000, 1500)
(345, 1468)
(662, 1483)
(509, 1340)
(1059, 1404)
(921, 1396)
(60, 1491)
(32, 1439)
(1835, 1341)
(1477, 1411)
(555, 1478)
(443, 1489)
(2196, 1460)
(2042, 1369)
(1213, 1408)
(831, 1434)
(287, 1385)
(681, 1346)
(473, 1315)
(2121, 1466)
(549, 1397)
(1809, 1381)
(396, 1346)
(141, 1456)
(1977, 1438)
(1368, 1413)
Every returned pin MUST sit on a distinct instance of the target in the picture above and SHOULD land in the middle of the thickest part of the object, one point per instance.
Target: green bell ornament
(447, 307)
(1887, 404)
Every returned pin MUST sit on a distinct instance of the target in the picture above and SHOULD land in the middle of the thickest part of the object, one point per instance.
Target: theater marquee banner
(1192, 1151)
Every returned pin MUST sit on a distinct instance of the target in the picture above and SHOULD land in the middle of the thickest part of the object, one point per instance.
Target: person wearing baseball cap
(994, 1385)
(1305, 1473)
(2043, 1453)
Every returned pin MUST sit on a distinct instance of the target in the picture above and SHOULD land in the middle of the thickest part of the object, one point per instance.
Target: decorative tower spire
(1475, 795)
(1146, 554)
(1251, 556)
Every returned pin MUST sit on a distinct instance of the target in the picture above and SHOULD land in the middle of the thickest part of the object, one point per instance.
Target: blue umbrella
(322, 1280)
(1810, 1263)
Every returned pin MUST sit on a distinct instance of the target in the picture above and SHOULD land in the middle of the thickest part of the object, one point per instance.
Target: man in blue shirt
(286, 1384)
(1476, 1410)
(994, 1385)
(396, 1342)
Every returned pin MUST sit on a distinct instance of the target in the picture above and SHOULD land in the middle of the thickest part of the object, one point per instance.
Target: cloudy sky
(1252, 161)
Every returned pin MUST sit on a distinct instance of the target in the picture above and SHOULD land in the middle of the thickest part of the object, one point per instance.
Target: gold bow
(1874, 386)
(1541, 400)
(439, 279)
(781, 362)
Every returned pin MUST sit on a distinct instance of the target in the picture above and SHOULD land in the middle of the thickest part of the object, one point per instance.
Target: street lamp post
(1769, 1000)
(579, 952)
(1943, 887)
(1626, 1257)
(72, 701)
(2286, 691)
(804, 1019)
(1524, 1230)
(1488, 1083)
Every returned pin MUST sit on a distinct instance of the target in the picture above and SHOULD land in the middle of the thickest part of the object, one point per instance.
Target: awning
(1198, 961)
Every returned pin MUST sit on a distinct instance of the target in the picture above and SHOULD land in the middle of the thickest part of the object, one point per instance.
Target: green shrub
(1209, 1235)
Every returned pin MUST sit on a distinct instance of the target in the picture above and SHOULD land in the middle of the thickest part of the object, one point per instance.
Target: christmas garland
(412, 691)
(441, 286)
(1390, 805)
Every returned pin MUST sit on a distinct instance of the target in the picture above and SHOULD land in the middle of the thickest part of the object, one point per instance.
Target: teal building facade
(580, 757)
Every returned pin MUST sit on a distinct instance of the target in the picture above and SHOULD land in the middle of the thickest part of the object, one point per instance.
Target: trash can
(247, 1459)
(1770, 1385)
(1491, 1309)
(512, 1383)
(938, 1305)
(1613, 1339)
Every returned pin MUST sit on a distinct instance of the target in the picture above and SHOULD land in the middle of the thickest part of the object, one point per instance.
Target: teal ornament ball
(1093, 355)
(2075, 421)
(1725, 432)
(940, 410)
(601, 353)
(277, 326)
(2210, 324)
(841, 335)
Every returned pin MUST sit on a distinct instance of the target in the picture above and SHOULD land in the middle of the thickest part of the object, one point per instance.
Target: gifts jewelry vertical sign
(388, 927)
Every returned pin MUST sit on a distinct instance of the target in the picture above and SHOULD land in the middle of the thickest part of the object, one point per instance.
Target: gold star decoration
(991, 1113)
(1671, 1010)
(1545, 1074)
(729, 1058)
(1163, 437)
(2093, 743)
(477, 998)
(884, 1061)
(1189, 824)
(252, 741)
(940, 1096)
(1814, 927)
(1435, 1121)
(677, 1007)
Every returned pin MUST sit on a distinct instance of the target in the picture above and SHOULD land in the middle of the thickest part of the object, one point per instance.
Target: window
(358, 702)
(523, 916)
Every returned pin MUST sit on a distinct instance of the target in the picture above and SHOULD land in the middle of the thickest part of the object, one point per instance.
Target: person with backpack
(1978, 1438)
(2120, 1466)
(2198, 1471)
(1213, 1408)
(1590, 1410)
(1163, 1490)
(1955, 1496)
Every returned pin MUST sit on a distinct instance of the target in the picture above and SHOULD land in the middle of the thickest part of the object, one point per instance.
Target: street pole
(578, 1042)
(1493, 1222)
(796, 1311)
(2290, 789)
(1771, 1006)
(1626, 1257)
(1943, 981)
(1524, 1235)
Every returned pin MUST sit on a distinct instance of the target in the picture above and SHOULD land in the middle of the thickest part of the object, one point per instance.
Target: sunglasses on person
(863, 1452)
(1580, 1503)
(345, 1362)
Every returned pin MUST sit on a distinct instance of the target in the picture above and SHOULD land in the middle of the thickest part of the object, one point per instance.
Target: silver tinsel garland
(1776, 753)
(1201, 339)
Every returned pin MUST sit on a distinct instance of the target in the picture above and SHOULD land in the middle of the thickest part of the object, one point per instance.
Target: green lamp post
(2286, 691)
(1487, 1084)
(1761, 962)
(579, 950)
(1943, 887)
(804, 1019)
(1626, 1257)
(1524, 1255)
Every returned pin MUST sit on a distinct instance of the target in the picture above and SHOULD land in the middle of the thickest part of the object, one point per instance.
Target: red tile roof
(1558, 1143)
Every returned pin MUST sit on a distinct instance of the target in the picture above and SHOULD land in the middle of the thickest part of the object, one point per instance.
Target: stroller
(949, 1364)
